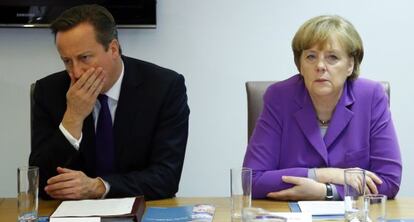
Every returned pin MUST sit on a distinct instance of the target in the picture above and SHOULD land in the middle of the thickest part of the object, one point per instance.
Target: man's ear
(114, 48)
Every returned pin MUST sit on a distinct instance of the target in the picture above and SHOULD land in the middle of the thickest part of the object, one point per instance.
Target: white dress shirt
(113, 97)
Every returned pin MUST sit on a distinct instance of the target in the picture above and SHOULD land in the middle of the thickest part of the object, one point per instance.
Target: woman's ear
(351, 66)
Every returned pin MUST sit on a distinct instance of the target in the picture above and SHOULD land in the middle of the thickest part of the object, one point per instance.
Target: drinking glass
(354, 195)
(375, 205)
(240, 190)
(27, 193)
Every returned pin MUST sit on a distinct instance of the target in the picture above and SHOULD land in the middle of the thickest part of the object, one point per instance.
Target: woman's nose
(320, 65)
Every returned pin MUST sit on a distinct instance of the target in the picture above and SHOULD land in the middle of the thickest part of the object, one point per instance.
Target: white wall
(218, 45)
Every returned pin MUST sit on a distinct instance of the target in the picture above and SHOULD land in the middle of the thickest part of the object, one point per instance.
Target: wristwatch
(329, 193)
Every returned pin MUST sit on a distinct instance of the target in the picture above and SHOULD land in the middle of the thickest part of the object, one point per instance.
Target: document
(320, 210)
(101, 207)
(295, 217)
(322, 207)
(75, 219)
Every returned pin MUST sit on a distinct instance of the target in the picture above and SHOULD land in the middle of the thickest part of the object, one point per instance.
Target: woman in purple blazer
(322, 121)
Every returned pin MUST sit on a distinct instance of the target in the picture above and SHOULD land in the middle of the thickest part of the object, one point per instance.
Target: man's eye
(85, 58)
(66, 61)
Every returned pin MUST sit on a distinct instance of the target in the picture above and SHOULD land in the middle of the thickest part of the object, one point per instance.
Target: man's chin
(103, 90)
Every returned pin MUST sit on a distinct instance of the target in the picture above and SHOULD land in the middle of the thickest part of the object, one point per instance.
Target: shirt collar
(115, 90)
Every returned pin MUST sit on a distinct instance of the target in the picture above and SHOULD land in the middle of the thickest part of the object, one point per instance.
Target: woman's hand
(336, 176)
(304, 189)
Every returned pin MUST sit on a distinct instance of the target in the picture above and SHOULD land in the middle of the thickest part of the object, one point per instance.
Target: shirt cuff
(107, 188)
(72, 140)
(312, 174)
(335, 192)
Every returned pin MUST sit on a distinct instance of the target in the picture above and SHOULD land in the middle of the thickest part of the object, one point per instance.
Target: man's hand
(72, 184)
(304, 189)
(81, 98)
(336, 176)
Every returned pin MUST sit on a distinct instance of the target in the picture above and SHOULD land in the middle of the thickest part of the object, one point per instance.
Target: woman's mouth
(321, 80)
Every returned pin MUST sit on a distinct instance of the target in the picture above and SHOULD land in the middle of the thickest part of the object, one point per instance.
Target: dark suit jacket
(150, 127)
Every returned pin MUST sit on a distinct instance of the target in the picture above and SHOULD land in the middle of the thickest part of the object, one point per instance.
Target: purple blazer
(287, 139)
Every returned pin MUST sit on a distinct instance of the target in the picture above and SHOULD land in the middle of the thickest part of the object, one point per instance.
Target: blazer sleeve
(264, 149)
(50, 148)
(161, 178)
(385, 158)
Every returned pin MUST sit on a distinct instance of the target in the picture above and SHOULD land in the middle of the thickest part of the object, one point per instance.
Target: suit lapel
(306, 119)
(128, 105)
(341, 117)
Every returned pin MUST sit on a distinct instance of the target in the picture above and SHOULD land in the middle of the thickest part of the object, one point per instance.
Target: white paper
(322, 207)
(295, 217)
(75, 219)
(102, 207)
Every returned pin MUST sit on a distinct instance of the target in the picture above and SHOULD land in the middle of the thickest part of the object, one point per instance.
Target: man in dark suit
(147, 105)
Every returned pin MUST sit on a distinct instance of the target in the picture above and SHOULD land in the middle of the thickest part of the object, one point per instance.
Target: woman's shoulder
(368, 90)
(287, 85)
(365, 86)
(282, 93)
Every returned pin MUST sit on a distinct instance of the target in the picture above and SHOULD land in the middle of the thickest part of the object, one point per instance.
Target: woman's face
(325, 68)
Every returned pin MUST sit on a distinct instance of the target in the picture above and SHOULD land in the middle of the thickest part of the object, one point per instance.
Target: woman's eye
(311, 57)
(332, 58)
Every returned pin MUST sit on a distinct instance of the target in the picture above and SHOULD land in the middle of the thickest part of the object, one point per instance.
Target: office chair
(255, 91)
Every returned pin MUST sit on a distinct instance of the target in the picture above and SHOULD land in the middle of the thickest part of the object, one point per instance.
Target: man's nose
(78, 70)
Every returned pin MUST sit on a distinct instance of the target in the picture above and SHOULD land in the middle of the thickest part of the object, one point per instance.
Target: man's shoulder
(148, 70)
(57, 78)
(52, 90)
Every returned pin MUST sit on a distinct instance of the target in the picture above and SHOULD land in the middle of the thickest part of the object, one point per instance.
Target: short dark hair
(99, 17)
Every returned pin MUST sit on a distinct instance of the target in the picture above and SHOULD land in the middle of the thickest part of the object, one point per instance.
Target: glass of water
(354, 195)
(240, 191)
(27, 193)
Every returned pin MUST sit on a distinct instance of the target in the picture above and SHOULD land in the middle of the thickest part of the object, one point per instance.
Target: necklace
(323, 122)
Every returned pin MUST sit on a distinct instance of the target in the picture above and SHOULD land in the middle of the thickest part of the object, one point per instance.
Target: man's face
(80, 51)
